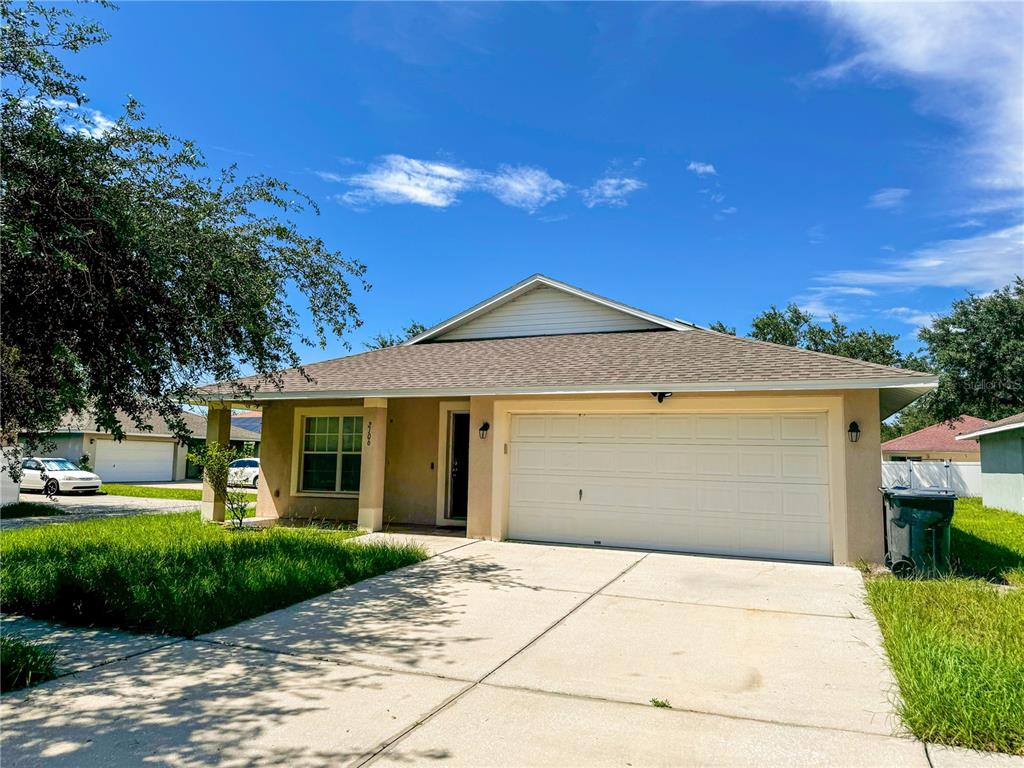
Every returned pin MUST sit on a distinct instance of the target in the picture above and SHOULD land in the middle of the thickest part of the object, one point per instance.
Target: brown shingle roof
(195, 422)
(939, 437)
(601, 360)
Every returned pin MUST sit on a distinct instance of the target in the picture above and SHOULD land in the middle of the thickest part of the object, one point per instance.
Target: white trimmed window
(331, 453)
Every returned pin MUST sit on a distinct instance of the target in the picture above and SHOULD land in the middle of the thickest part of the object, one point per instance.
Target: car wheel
(52, 487)
(255, 481)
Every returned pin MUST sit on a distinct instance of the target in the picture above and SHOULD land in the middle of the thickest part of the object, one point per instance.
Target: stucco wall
(865, 530)
(1002, 470)
(410, 482)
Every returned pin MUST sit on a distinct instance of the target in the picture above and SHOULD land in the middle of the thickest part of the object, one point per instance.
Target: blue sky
(700, 161)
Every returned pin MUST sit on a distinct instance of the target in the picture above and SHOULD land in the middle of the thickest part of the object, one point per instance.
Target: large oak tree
(130, 271)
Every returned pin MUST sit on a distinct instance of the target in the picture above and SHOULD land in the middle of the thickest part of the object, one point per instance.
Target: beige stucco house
(547, 413)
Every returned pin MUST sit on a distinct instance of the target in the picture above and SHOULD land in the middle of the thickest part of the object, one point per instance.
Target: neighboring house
(937, 442)
(547, 413)
(249, 420)
(142, 456)
(245, 441)
(1002, 462)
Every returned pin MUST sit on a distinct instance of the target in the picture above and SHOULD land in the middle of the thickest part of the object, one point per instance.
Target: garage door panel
(542, 489)
(132, 461)
(716, 462)
(804, 465)
(762, 428)
(805, 503)
(673, 428)
(716, 428)
(806, 429)
(741, 484)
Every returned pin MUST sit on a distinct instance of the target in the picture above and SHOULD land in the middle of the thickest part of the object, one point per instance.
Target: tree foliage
(978, 352)
(130, 272)
(387, 339)
(793, 327)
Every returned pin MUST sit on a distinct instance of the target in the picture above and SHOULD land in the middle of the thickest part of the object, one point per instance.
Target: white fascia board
(532, 282)
(611, 389)
(989, 431)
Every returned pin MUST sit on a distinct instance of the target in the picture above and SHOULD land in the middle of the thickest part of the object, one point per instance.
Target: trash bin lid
(921, 493)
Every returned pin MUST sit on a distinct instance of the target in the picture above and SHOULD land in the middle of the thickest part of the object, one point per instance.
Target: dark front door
(458, 466)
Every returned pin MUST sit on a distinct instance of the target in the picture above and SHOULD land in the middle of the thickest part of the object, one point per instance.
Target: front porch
(377, 463)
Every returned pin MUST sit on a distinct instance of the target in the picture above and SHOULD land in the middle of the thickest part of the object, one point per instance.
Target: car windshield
(59, 465)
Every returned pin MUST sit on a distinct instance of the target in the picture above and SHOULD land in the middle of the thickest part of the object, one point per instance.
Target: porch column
(218, 430)
(371, 474)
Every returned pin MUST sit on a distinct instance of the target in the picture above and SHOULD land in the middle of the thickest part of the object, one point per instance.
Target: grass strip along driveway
(175, 575)
(158, 492)
(955, 644)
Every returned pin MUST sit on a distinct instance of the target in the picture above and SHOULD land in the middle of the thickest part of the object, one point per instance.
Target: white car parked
(244, 472)
(54, 476)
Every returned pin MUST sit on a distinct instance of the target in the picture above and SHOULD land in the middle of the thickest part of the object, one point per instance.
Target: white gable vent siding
(546, 312)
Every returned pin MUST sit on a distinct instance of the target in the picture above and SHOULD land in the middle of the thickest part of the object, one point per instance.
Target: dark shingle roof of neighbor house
(196, 423)
(640, 359)
(939, 437)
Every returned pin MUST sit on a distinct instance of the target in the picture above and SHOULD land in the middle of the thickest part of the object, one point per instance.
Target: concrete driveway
(503, 654)
(75, 508)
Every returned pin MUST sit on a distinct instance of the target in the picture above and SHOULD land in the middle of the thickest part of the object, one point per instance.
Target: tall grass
(957, 650)
(987, 543)
(24, 663)
(174, 575)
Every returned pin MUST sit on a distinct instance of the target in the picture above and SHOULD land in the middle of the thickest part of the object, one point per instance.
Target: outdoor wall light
(483, 430)
(660, 396)
(854, 431)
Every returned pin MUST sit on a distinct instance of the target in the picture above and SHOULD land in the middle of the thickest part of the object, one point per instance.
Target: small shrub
(661, 703)
(23, 663)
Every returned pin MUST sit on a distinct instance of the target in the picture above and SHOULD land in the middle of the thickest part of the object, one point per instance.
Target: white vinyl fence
(964, 477)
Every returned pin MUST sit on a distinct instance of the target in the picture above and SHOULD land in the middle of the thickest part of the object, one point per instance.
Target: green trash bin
(917, 530)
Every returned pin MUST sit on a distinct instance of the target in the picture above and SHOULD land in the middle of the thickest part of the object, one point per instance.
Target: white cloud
(396, 179)
(984, 262)
(611, 191)
(889, 198)
(702, 169)
(968, 224)
(730, 210)
(817, 234)
(910, 316)
(967, 63)
(523, 187)
(400, 179)
(83, 120)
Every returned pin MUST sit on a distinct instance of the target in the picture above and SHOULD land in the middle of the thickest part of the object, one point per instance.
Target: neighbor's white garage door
(741, 484)
(134, 461)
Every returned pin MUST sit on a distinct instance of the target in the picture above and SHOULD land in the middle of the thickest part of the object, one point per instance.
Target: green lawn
(158, 492)
(957, 644)
(172, 574)
(29, 509)
(24, 663)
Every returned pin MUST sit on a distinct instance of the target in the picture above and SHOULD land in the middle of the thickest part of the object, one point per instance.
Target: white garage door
(134, 461)
(738, 484)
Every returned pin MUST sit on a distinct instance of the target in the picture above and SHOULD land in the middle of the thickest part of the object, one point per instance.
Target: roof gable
(540, 306)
